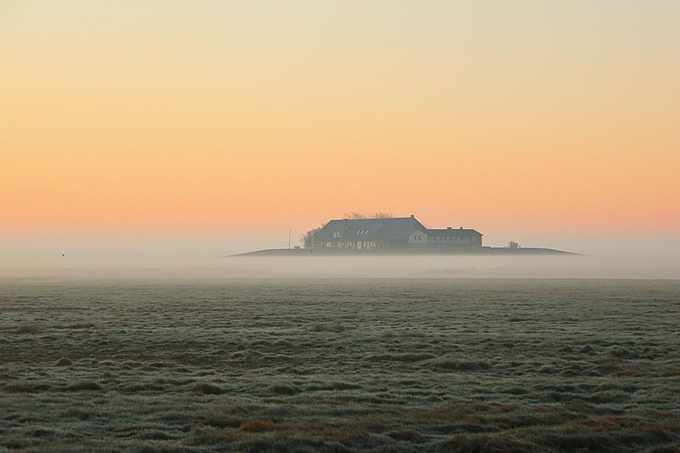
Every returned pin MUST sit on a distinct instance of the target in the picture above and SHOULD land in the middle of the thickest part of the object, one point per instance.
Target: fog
(209, 257)
(82, 265)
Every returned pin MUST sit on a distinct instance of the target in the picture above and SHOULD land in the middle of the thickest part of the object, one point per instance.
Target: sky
(223, 126)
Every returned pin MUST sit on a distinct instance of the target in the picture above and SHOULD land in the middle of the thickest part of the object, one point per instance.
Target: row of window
(351, 245)
(338, 234)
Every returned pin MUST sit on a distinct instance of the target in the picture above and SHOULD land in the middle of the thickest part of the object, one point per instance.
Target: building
(453, 237)
(391, 233)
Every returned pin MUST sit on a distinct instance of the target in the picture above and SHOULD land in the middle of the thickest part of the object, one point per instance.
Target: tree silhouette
(376, 215)
(307, 239)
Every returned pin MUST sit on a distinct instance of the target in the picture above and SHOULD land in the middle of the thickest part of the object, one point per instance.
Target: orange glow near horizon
(247, 118)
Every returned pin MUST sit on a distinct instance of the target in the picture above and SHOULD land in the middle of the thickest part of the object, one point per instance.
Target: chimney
(449, 228)
(413, 216)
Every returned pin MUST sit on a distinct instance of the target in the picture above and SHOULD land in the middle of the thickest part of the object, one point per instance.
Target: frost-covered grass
(340, 366)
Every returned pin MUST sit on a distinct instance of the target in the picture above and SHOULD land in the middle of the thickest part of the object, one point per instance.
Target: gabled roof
(396, 228)
(454, 232)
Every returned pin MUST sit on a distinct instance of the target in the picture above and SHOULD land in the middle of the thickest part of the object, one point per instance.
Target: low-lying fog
(78, 266)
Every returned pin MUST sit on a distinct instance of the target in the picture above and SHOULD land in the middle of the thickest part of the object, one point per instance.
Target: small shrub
(606, 397)
(606, 368)
(283, 390)
(204, 388)
(460, 365)
(31, 328)
(84, 386)
(407, 358)
(253, 426)
(76, 413)
(18, 387)
(78, 325)
(209, 437)
(344, 386)
(486, 443)
(40, 432)
(675, 371)
(674, 448)
(407, 435)
(130, 365)
(63, 362)
(155, 435)
(623, 353)
(584, 440)
(231, 407)
(370, 425)
(335, 328)
(145, 387)
(222, 422)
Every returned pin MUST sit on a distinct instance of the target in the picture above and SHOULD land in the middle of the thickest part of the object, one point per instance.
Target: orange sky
(172, 117)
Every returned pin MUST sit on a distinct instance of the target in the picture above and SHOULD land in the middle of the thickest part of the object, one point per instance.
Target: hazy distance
(165, 257)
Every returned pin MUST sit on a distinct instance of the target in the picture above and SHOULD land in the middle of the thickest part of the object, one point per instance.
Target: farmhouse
(391, 233)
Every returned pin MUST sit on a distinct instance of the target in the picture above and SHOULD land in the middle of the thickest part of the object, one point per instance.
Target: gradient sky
(226, 119)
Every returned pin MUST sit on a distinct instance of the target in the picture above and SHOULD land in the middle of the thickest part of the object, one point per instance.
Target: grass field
(340, 365)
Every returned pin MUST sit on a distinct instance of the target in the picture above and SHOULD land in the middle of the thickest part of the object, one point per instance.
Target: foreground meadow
(340, 366)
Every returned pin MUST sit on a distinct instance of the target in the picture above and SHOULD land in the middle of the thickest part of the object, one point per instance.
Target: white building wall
(417, 237)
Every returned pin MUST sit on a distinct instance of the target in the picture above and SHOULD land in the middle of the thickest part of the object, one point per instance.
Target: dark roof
(396, 228)
(454, 231)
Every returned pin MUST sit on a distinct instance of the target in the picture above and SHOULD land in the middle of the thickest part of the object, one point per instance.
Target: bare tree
(359, 215)
(307, 239)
